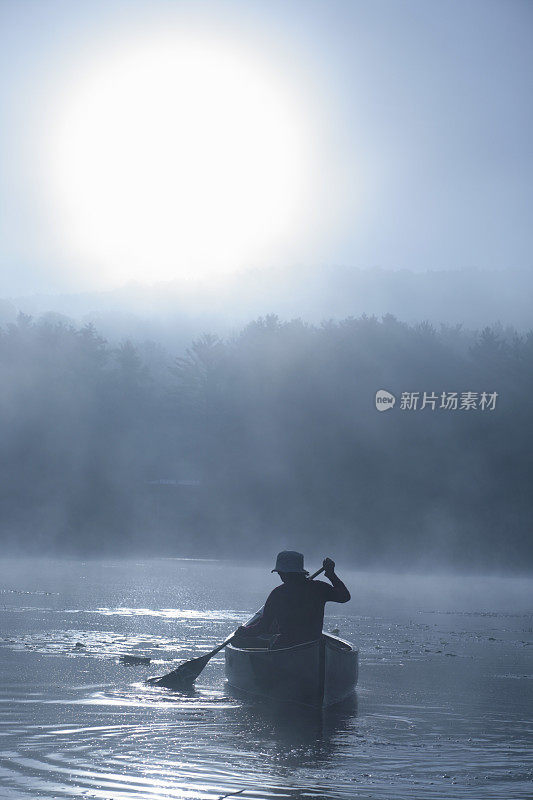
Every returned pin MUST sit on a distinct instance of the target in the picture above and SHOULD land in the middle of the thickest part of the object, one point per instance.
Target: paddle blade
(184, 676)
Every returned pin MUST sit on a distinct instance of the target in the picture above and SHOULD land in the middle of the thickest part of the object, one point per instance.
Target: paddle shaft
(316, 573)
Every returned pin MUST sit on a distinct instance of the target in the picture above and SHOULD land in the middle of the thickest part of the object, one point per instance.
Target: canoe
(318, 674)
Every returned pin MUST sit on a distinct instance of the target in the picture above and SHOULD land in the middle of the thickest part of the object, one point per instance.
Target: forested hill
(173, 313)
(271, 438)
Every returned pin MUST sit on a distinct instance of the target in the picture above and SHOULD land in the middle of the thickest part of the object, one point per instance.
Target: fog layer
(267, 439)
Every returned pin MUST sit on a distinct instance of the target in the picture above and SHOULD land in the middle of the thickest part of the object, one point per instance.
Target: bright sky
(148, 140)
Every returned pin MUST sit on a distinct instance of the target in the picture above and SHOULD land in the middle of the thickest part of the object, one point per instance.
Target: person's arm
(262, 624)
(340, 593)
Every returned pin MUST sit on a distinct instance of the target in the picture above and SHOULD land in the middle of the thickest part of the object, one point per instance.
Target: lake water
(443, 709)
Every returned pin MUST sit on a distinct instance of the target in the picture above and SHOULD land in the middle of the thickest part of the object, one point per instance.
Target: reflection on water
(293, 741)
(296, 737)
(443, 709)
(199, 744)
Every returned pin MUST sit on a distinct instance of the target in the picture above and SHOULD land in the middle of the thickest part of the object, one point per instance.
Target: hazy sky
(149, 140)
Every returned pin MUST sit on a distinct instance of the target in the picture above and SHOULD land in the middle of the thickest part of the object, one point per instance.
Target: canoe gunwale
(333, 641)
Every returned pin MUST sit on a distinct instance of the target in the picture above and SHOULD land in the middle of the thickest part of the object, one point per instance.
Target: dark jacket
(296, 609)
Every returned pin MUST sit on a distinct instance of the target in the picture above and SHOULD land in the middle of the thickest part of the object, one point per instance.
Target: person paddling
(295, 610)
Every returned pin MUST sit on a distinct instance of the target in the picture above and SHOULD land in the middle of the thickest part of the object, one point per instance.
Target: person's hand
(329, 567)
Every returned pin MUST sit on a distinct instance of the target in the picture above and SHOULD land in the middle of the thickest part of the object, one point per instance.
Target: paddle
(184, 676)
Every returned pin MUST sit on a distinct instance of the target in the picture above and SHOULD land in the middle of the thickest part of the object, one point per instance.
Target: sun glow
(170, 160)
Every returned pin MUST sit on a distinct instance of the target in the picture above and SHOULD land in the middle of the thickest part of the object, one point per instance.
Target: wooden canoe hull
(317, 674)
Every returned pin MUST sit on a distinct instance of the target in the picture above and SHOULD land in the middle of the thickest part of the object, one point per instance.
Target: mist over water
(442, 708)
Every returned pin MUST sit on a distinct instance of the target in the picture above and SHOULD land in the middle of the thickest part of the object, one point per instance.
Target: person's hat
(290, 561)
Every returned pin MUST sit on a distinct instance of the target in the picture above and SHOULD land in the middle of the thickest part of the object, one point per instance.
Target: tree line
(267, 438)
